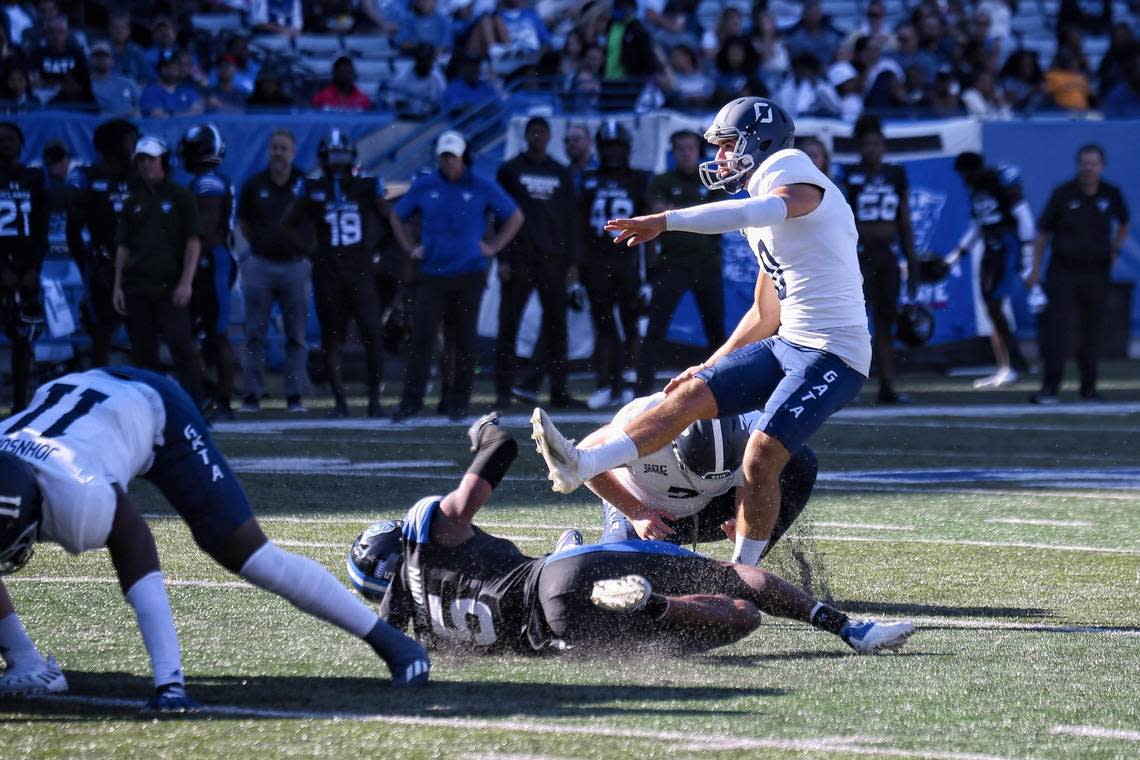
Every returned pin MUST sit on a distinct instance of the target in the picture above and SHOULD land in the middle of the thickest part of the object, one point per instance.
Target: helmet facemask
(730, 173)
(20, 551)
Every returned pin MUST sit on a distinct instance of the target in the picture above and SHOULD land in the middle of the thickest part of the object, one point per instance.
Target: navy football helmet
(712, 449)
(201, 146)
(337, 149)
(21, 507)
(914, 325)
(759, 127)
(611, 130)
(375, 558)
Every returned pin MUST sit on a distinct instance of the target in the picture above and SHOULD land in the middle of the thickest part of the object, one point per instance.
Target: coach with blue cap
(451, 262)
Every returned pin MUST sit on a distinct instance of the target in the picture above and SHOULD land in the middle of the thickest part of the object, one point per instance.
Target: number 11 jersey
(82, 434)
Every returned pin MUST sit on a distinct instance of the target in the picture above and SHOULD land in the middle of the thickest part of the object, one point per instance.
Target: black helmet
(201, 146)
(712, 449)
(759, 127)
(914, 325)
(611, 130)
(375, 558)
(337, 149)
(21, 506)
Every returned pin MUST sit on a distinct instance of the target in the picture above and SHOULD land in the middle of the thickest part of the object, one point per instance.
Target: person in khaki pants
(277, 271)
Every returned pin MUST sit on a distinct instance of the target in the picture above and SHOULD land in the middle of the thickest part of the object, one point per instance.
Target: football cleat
(45, 678)
(872, 637)
(412, 672)
(560, 455)
(627, 594)
(171, 699)
(1004, 376)
(568, 540)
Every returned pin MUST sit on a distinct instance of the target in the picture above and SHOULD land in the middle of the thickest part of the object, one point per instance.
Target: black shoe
(223, 413)
(479, 426)
(441, 407)
(1045, 398)
(375, 410)
(250, 404)
(294, 405)
(338, 412)
(566, 401)
(893, 398)
(1092, 396)
(403, 412)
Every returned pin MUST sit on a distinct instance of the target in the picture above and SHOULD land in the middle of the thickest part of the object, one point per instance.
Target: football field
(1009, 534)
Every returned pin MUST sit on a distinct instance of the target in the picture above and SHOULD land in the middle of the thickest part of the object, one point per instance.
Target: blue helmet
(21, 507)
(712, 449)
(201, 146)
(759, 127)
(375, 558)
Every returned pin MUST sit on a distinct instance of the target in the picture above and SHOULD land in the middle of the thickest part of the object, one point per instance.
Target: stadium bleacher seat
(275, 44)
(327, 45)
(216, 23)
(369, 46)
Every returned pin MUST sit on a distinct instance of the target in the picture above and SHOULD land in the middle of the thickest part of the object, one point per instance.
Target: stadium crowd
(418, 58)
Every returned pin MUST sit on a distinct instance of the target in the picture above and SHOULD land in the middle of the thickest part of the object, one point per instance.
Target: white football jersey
(82, 433)
(814, 262)
(657, 480)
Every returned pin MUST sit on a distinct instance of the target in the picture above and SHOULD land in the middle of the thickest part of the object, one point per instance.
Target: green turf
(1013, 640)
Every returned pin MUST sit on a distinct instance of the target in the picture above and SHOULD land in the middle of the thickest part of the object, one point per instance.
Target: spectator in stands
(1072, 39)
(984, 98)
(158, 243)
(75, 92)
(245, 67)
(883, 78)
(673, 22)
(277, 271)
(267, 92)
(1066, 84)
(542, 257)
(116, 94)
(979, 51)
(769, 47)
(226, 95)
(936, 40)
(163, 38)
(629, 48)
(521, 30)
(1000, 14)
(472, 27)
(1022, 81)
(684, 84)
(909, 54)
(875, 26)
(57, 56)
(424, 24)
(342, 94)
(36, 36)
(1079, 218)
(168, 96)
(844, 97)
(916, 88)
(1072, 14)
(944, 100)
(417, 93)
(818, 153)
(1124, 98)
(276, 17)
(17, 94)
(729, 24)
(129, 59)
(333, 16)
(813, 35)
(452, 258)
(584, 89)
(799, 94)
(580, 152)
(1114, 66)
(736, 66)
(466, 88)
(18, 20)
(687, 261)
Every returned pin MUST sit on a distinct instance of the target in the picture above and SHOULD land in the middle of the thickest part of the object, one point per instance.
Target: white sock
(749, 550)
(16, 647)
(309, 587)
(611, 454)
(156, 624)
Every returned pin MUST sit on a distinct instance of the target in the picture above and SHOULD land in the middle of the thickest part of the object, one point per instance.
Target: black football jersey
(991, 203)
(478, 595)
(343, 213)
(97, 200)
(213, 184)
(875, 196)
(610, 194)
(24, 216)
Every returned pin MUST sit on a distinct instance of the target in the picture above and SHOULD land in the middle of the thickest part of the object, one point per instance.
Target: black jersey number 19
(87, 401)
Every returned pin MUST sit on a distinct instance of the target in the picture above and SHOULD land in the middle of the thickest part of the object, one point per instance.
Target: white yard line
(844, 486)
(995, 544)
(1097, 732)
(1048, 523)
(854, 745)
(1002, 625)
(863, 526)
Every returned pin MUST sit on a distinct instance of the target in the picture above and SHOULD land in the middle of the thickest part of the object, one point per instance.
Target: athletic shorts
(567, 579)
(999, 270)
(189, 469)
(797, 388)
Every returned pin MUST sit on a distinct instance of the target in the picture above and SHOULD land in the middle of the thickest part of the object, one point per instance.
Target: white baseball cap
(450, 142)
(150, 146)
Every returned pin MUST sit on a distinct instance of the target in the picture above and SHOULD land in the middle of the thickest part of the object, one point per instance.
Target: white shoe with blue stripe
(872, 637)
(45, 678)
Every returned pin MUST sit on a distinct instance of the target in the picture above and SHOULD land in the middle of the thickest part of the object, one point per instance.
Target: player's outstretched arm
(650, 523)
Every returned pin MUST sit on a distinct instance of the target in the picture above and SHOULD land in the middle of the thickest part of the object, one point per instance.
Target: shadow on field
(94, 696)
(938, 610)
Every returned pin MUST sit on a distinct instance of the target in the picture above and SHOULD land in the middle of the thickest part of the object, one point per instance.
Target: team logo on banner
(925, 211)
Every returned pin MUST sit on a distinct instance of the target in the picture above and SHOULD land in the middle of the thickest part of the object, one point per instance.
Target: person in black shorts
(464, 588)
(346, 209)
(879, 196)
(97, 195)
(24, 236)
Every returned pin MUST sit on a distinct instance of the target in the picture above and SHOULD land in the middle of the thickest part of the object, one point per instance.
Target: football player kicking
(463, 587)
(687, 492)
(65, 465)
(801, 352)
